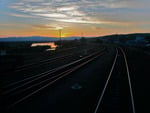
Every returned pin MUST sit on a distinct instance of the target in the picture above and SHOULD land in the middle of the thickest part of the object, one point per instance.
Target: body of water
(52, 45)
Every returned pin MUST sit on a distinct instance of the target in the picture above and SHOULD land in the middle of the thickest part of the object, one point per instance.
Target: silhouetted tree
(83, 40)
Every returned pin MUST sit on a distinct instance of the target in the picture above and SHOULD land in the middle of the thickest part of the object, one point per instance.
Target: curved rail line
(19, 91)
(99, 105)
(106, 84)
(129, 80)
(43, 62)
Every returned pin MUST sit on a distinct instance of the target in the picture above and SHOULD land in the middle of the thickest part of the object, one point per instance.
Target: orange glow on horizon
(25, 18)
(67, 32)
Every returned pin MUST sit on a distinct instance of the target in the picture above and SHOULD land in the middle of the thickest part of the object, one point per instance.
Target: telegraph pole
(60, 36)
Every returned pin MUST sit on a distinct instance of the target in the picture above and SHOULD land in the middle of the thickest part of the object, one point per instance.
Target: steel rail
(63, 74)
(106, 84)
(108, 79)
(28, 66)
(129, 80)
(25, 67)
(45, 59)
(38, 76)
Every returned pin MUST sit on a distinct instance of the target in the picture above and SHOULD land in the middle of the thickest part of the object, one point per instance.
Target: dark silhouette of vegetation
(83, 40)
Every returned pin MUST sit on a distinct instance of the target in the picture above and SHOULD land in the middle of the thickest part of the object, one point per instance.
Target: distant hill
(121, 37)
(136, 39)
(71, 38)
(129, 36)
(34, 38)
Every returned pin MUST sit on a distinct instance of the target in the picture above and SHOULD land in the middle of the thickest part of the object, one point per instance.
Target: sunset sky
(74, 17)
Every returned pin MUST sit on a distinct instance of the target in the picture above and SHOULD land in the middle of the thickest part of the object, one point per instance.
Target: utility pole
(81, 34)
(60, 36)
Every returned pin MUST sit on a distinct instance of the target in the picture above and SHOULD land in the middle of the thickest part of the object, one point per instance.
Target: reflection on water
(51, 44)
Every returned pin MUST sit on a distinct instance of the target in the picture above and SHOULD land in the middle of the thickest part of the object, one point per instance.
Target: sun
(66, 34)
(59, 28)
(63, 35)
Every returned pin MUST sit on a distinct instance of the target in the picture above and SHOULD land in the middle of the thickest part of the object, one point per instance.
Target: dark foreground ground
(139, 63)
(61, 97)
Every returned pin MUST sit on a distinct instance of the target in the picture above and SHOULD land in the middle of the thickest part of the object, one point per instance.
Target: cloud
(20, 15)
(7, 24)
(53, 15)
(44, 27)
(90, 16)
(66, 8)
(16, 25)
(48, 26)
(79, 11)
(80, 20)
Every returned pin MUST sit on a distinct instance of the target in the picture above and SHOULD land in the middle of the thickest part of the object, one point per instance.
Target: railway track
(117, 94)
(42, 66)
(42, 62)
(17, 92)
(30, 58)
(47, 61)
